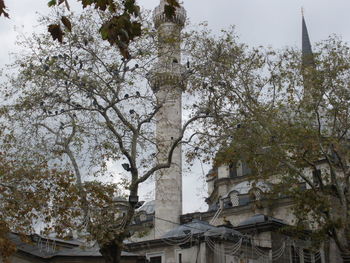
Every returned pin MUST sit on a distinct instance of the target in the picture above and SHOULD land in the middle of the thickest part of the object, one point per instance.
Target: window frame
(156, 254)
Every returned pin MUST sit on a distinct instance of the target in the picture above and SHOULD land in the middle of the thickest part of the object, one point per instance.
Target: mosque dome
(246, 186)
(148, 207)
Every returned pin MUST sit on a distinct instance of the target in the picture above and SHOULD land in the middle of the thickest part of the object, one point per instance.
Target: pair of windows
(239, 169)
(236, 199)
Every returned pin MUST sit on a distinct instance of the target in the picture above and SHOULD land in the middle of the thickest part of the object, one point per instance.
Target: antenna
(302, 11)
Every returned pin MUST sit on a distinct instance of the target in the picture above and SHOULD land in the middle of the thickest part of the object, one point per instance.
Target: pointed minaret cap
(308, 62)
(306, 50)
(159, 16)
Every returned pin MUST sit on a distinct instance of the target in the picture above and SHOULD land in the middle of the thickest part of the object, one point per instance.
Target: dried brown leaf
(66, 22)
(56, 32)
(3, 8)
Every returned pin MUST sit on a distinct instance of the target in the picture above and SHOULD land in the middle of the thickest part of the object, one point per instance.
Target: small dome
(148, 207)
(244, 187)
(194, 227)
(260, 218)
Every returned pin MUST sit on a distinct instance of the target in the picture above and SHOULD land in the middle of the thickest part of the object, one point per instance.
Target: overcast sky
(275, 23)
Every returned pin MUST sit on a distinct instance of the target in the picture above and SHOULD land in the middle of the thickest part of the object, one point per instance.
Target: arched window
(255, 194)
(245, 169)
(239, 168)
(234, 198)
(233, 170)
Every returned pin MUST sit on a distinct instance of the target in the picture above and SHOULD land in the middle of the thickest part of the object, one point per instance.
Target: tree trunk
(111, 252)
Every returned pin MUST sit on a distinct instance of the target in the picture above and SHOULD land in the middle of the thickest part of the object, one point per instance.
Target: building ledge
(236, 210)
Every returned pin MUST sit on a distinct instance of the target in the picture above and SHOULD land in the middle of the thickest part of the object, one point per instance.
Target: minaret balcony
(167, 74)
(159, 17)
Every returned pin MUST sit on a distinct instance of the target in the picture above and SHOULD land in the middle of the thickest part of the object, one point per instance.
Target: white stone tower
(166, 79)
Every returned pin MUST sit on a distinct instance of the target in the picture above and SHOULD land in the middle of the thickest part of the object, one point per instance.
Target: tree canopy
(80, 104)
(289, 121)
(120, 29)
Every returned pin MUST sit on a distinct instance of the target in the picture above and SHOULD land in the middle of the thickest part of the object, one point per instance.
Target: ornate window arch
(255, 194)
(234, 198)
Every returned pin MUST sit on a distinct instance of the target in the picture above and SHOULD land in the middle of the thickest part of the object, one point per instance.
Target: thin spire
(308, 62)
(307, 54)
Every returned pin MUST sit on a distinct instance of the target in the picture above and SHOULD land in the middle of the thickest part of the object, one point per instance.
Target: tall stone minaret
(166, 79)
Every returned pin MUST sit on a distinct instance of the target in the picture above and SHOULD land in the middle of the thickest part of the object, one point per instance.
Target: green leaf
(136, 29)
(120, 31)
(52, 3)
(129, 6)
(104, 33)
(137, 11)
(66, 22)
(101, 4)
(112, 7)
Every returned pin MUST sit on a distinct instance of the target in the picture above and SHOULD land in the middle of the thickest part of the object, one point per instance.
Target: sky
(275, 23)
